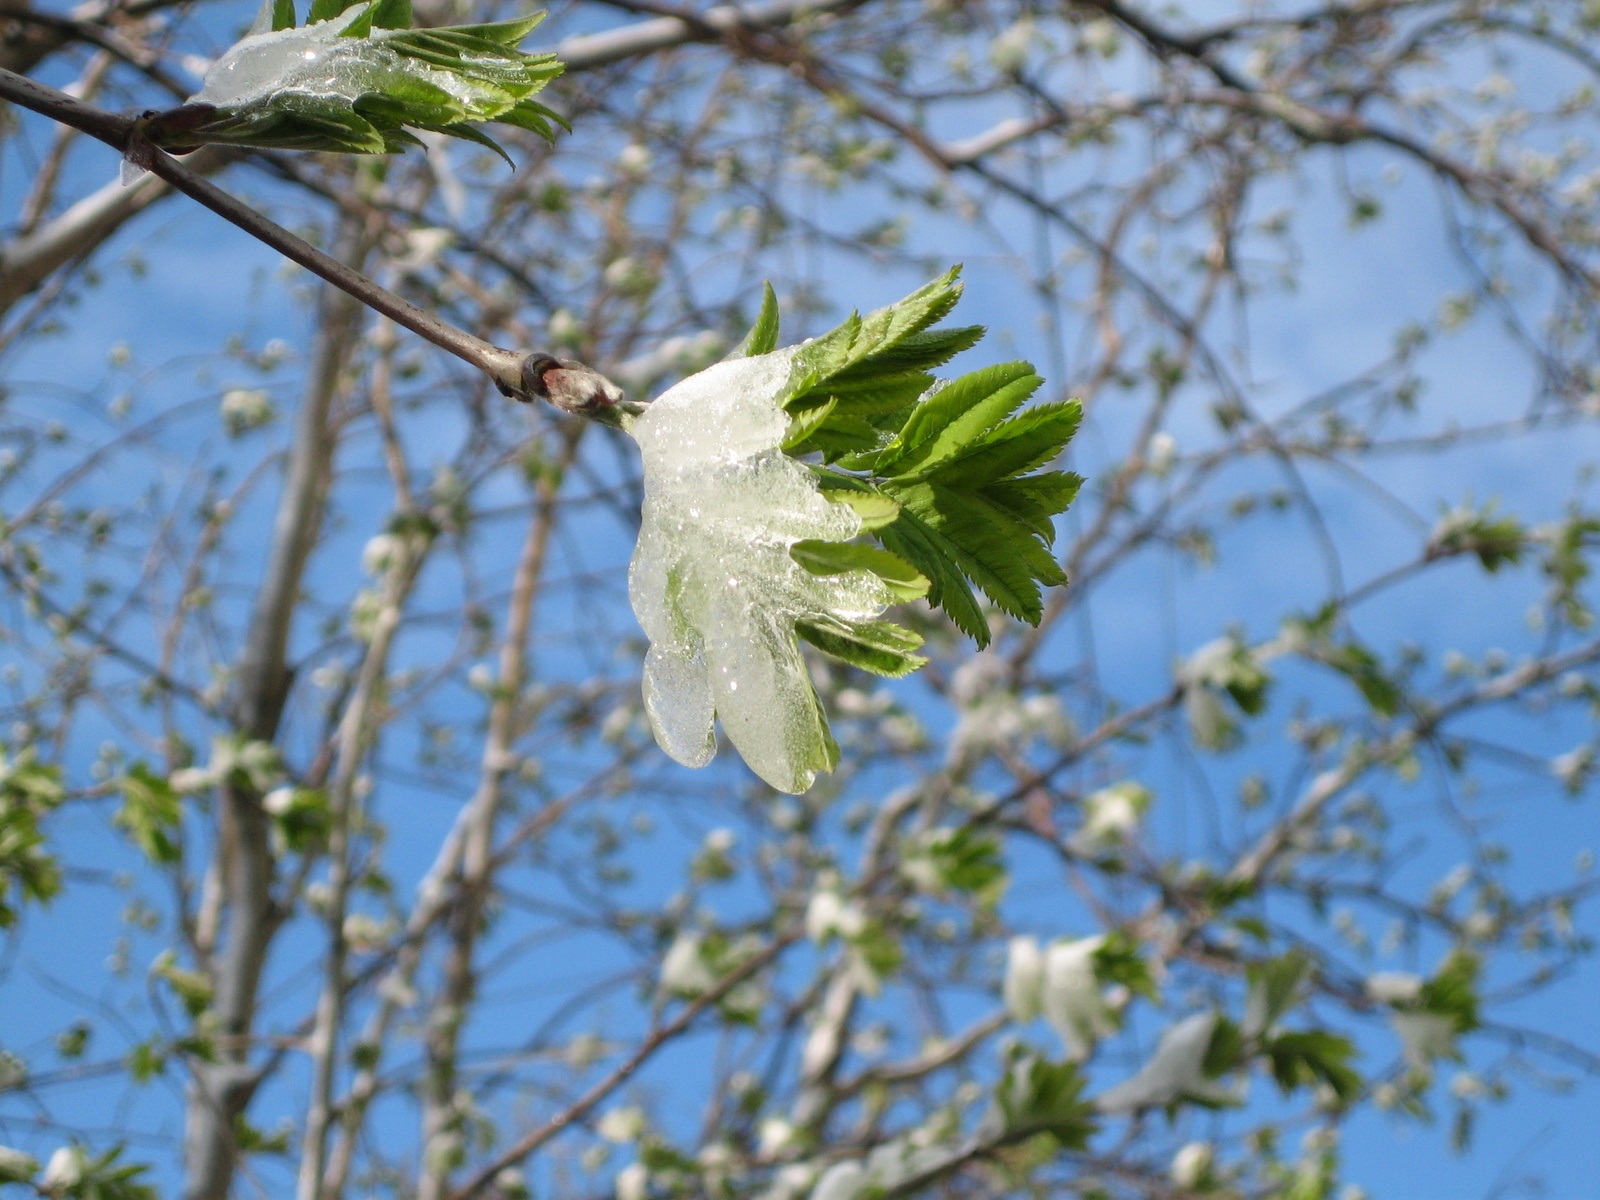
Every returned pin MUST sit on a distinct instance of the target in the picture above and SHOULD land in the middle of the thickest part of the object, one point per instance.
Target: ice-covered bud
(563, 329)
(16, 1166)
(512, 1184)
(622, 1125)
(1175, 1072)
(65, 1170)
(1102, 37)
(634, 160)
(423, 248)
(842, 1181)
(365, 932)
(1073, 1003)
(189, 780)
(827, 914)
(1111, 815)
(1009, 52)
(244, 409)
(1192, 1164)
(684, 971)
(629, 276)
(1161, 453)
(712, 580)
(1394, 987)
(774, 1136)
(1424, 1036)
(1024, 984)
(633, 1182)
(380, 554)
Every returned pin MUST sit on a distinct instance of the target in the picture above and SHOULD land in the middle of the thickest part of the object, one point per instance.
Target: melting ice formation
(712, 582)
(317, 60)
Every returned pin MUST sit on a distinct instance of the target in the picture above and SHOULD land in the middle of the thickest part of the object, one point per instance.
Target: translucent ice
(1175, 1072)
(712, 582)
(317, 60)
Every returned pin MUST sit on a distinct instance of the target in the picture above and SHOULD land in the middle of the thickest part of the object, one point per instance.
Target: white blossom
(713, 584)
(1192, 1163)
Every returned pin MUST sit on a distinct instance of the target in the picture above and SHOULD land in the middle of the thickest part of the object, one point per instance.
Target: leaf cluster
(437, 80)
(29, 789)
(948, 478)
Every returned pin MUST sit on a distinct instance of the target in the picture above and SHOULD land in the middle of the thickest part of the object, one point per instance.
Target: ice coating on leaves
(317, 60)
(1175, 1072)
(713, 584)
(1071, 996)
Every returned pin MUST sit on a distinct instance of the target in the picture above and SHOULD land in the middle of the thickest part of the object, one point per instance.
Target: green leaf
(880, 647)
(1001, 563)
(805, 422)
(151, 813)
(860, 339)
(282, 15)
(1274, 989)
(958, 413)
(326, 10)
(502, 33)
(193, 988)
(1035, 500)
(1453, 991)
(834, 434)
(933, 555)
(392, 14)
(1117, 960)
(763, 335)
(1011, 448)
(960, 859)
(29, 789)
(1361, 666)
(1312, 1056)
(362, 26)
(1037, 1097)
(959, 460)
(477, 137)
(875, 509)
(835, 558)
(921, 351)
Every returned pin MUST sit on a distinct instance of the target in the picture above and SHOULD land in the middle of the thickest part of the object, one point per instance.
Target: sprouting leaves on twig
(358, 79)
(748, 544)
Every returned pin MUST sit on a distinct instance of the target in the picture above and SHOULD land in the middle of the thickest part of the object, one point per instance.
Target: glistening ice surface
(317, 61)
(712, 582)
